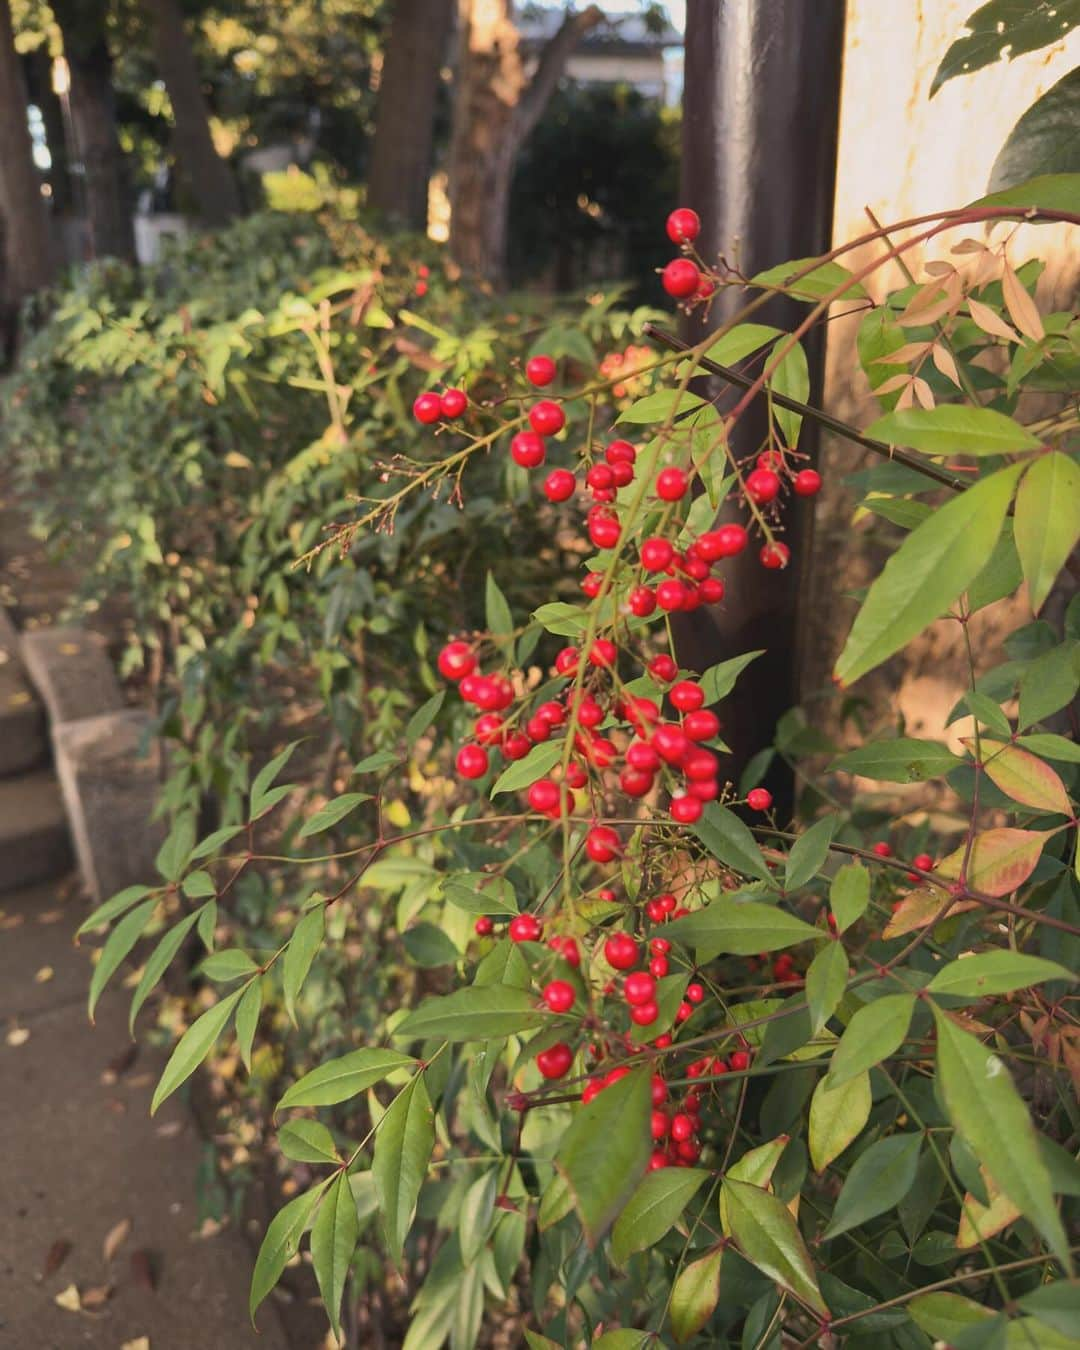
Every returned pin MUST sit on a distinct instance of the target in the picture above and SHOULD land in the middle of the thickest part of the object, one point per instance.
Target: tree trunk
(404, 125)
(27, 254)
(93, 117)
(495, 108)
(207, 176)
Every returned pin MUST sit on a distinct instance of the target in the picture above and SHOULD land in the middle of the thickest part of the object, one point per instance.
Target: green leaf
(740, 341)
(756, 1166)
(808, 853)
(1044, 140)
(792, 379)
(477, 1212)
(261, 799)
(160, 960)
(429, 946)
(1051, 191)
(1022, 776)
(987, 712)
(230, 964)
(333, 812)
(381, 759)
(983, 1104)
(307, 1141)
(882, 1175)
(111, 908)
(480, 893)
(333, 1240)
(281, 1243)
(849, 895)
(944, 1316)
(719, 680)
(214, 841)
(819, 282)
(1049, 684)
(903, 760)
(500, 621)
(120, 942)
(478, 1013)
(540, 759)
(605, 1152)
(198, 885)
(338, 1080)
(826, 981)
(727, 838)
(997, 972)
(838, 1115)
(623, 1339)
(305, 942)
(247, 1020)
(927, 573)
(741, 928)
(175, 853)
(953, 429)
(1049, 745)
(403, 1145)
(873, 1034)
(1047, 518)
(694, 1295)
(661, 406)
(193, 1047)
(769, 1238)
(1006, 28)
(657, 1203)
(561, 619)
(423, 717)
(1001, 576)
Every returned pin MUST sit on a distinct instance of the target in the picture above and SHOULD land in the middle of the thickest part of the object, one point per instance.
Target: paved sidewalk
(83, 1156)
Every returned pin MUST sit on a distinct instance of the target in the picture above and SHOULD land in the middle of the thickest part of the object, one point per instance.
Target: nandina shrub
(684, 1071)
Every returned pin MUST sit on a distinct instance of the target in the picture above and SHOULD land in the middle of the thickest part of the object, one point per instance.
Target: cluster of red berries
(623, 366)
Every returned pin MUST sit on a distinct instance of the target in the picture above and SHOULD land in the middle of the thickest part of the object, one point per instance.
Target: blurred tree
(404, 127)
(84, 26)
(207, 176)
(496, 106)
(24, 221)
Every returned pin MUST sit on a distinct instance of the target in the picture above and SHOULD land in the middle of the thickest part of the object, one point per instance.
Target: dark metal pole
(760, 118)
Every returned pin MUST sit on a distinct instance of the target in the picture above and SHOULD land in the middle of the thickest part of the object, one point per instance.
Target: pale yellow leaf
(923, 392)
(943, 359)
(893, 383)
(115, 1238)
(44, 975)
(1021, 307)
(991, 322)
(139, 1343)
(69, 1299)
(910, 351)
(17, 1036)
(980, 1222)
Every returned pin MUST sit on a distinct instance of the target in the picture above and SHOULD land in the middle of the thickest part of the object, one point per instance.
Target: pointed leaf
(903, 760)
(985, 1107)
(769, 1238)
(1022, 776)
(929, 571)
(343, 1078)
(808, 853)
(742, 928)
(953, 429)
(193, 1047)
(727, 838)
(826, 980)
(928, 904)
(849, 895)
(281, 1243)
(499, 619)
(657, 1203)
(1047, 521)
(305, 942)
(160, 960)
(333, 812)
(837, 1117)
(873, 1034)
(818, 282)
(307, 1141)
(260, 787)
(477, 1013)
(333, 1240)
(247, 1020)
(882, 1175)
(111, 908)
(121, 940)
(694, 1295)
(423, 717)
(477, 1212)
(1000, 860)
(998, 972)
(540, 759)
(756, 1166)
(719, 680)
(226, 965)
(403, 1145)
(175, 853)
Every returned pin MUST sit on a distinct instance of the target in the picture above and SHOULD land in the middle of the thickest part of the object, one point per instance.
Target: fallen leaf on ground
(142, 1269)
(17, 1036)
(96, 1297)
(115, 1238)
(55, 1257)
(139, 1343)
(170, 1129)
(44, 975)
(69, 1299)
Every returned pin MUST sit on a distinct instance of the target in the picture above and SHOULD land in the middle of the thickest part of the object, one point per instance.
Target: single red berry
(759, 799)
(635, 782)
(604, 531)
(543, 796)
(706, 287)
(685, 810)
(642, 601)
(576, 776)
(658, 1160)
(593, 1088)
(775, 556)
(592, 583)
(659, 1090)
(622, 474)
(527, 449)
(639, 988)
(488, 729)
(559, 485)
(663, 667)
(658, 967)
(680, 278)
(547, 418)
(671, 484)
(589, 712)
(427, 408)
(621, 950)
(642, 756)
(472, 761)
(702, 725)
(695, 992)
(682, 1126)
(738, 1060)
(516, 745)
(704, 789)
(711, 591)
(566, 662)
(923, 862)
(656, 554)
(699, 765)
(671, 594)
(456, 660)
(453, 403)
(524, 928)
(732, 539)
(602, 653)
(483, 926)
(687, 696)
(540, 371)
(602, 844)
(807, 482)
(762, 486)
(538, 730)
(658, 1126)
(420, 289)
(882, 849)
(620, 452)
(644, 1014)
(600, 476)
(670, 743)
(555, 1061)
(689, 1152)
(613, 1075)
(559, 996)
(683, 225)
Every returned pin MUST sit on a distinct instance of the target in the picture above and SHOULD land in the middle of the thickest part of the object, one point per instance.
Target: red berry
(642, 756)
(658, 1127)
(700, 765)
(762, 486)
(620, 452)
(547, 418)
(644, 1014)
(682, 1126)
(622, 474)
(488, 729)
(537, 729)
(456, 660)
(592, 583)
(559, 485)
(683, 225)
(602, 653)
(680, 278)
(639, 988)
(453, 403)
(738, 1060)
(540, 371)
(882, 849)
(671, 484)
(602, 844)
(659, 1090)
(559, 996)
(483, 926)
(524, 928)
(689, 1151)
(704, 789)
(543, 796)
(685, 810)
(516, 745)
(670, 743)
(663, 667)
(642, 601)
(567, 660)
(593, 1088)
(472, 761)
(604, 531)
(427, 408)
(731, 539)
(527, 449)
(658, 966)
(687, 696)
(775, 556)
(555, 1061)
(600, 476)
(807, 482)
(671, 594)
(635, 782)
(702, 725)
(621, 951)
(657, 1161)
(711, 591)
(695, 992)
(924, 862)
(759, 799)
(656, 554)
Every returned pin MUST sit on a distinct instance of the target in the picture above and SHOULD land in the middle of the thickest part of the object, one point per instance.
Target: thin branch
(553, 59)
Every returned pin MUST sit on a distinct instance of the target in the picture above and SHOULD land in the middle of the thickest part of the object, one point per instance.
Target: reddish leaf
(1000, 860)
(1022, 776)
(55, 1257)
